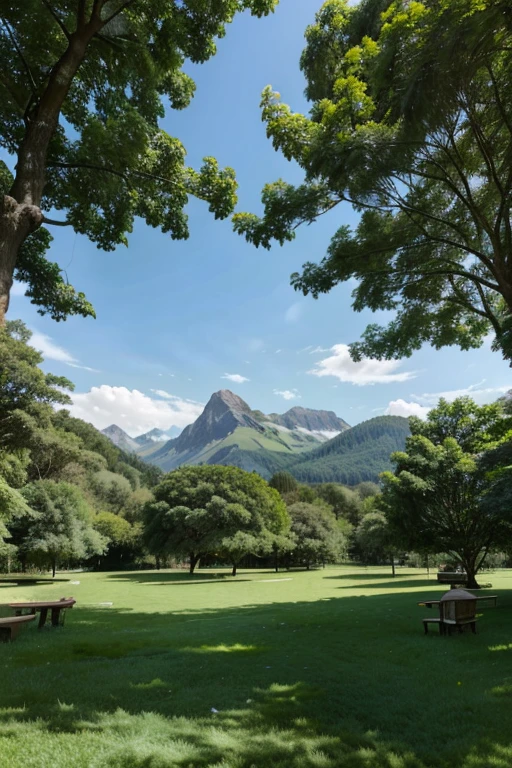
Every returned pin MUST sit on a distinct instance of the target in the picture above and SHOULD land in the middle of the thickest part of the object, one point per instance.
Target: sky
(177, 321)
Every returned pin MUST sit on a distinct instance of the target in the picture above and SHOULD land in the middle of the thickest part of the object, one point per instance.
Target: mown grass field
(293, 670)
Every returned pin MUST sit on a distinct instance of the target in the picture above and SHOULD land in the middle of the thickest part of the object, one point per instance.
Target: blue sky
(176, 318)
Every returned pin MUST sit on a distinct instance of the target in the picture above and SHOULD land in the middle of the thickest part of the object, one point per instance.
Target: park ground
(320, 669)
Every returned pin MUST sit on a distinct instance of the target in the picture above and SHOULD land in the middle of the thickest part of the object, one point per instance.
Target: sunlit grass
(328, 669)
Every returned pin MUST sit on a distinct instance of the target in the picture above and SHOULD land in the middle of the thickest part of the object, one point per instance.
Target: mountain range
(314, 445)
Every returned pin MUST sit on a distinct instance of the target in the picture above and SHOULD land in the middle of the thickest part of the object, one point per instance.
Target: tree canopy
(82, 90)
(411, 124)
(212, 509)
(436, 501)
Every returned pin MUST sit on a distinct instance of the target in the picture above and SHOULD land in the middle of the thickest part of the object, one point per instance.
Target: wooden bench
(437, 621)
(452, 577)
(10, 626)
(57, 608)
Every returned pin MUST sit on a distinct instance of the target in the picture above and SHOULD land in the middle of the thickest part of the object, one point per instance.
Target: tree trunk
(53, 568)
(20, 214)
(233, 572)
(393, 566)
(469, 565)
(276, 561)
(194, 559)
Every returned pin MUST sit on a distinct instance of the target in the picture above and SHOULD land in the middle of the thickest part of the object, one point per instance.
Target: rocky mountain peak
(120, 438)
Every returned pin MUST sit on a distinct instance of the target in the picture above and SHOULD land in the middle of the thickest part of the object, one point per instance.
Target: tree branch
(56, 18)
(55, 223)
(21, 56)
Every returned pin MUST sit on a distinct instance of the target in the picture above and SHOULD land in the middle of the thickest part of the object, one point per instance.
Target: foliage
(62, 529)
(433, 500)
(27, 394)
(344, 502)
(354, 456)
(210, 509)
(40, 444)
(317, 538)
(112, 491)
(367, 489)
(283, 482)
(373, 538)
(83, 89)
(411, 124)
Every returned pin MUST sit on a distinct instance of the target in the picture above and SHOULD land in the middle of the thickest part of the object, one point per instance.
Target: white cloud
(477, 392)
(341, 365)
(316, 350)
(235, 377)
(288, 394)
(294, 313)
(52, 351)
(132, 410)
(403, 408)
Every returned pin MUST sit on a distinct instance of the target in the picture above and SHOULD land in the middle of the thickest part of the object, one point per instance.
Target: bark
(20, 212)
(53, 568)
(393, 565)
(194, 559)
(233, 572)
(469, 564)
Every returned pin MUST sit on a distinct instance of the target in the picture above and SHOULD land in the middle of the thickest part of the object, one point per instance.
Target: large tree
(214, 510)
(440, 498)
(411, 124)
(316, 536)
(83, 86)
(62, 528)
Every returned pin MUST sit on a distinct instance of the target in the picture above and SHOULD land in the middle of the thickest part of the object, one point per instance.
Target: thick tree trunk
(233, 572)
(469, 564)
(194, 559)
(17, 221)
(20, 212)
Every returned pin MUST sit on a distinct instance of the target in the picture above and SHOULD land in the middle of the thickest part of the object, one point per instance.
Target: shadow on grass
(176, 578)
(336, 683)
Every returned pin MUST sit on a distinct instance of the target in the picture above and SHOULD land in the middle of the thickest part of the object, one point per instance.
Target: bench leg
(473, 627)
(42, 617)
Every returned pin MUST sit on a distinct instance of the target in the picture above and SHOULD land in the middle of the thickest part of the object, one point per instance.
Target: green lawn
(316, 670)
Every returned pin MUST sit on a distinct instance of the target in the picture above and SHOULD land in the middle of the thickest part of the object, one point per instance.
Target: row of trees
(227, 514)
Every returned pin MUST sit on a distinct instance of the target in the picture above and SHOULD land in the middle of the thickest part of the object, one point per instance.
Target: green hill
(359, 454)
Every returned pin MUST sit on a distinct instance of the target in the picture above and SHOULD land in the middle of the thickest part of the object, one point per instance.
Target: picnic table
(430, 603)
(57, 608)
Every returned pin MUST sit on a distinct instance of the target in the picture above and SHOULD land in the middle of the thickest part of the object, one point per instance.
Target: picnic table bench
(10, 626)
(452, 577)
(57, 608)
(457, 608)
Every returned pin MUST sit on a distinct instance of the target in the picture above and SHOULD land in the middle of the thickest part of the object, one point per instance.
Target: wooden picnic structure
(457, 609)
(11, 625)
(55, 608)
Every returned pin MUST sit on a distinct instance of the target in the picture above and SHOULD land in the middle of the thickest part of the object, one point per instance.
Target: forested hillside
(359, 454)
(67, 494)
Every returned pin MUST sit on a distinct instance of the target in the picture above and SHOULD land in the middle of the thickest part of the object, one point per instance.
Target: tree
(367, 489)
(434, 500)
(316, 536)
(411, 124)
(123, 539)
(283, 482)
(62, 529)
(213, 509)
(343, 501)
(103, 68)
(375, 540)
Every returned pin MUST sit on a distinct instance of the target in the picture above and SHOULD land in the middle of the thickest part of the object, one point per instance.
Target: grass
(321, 669)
